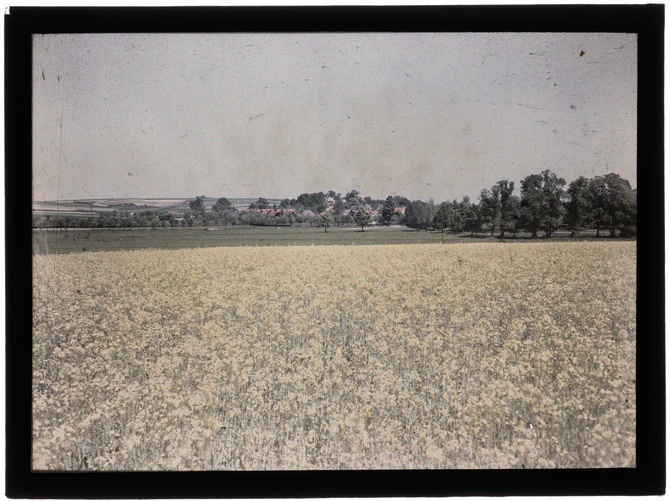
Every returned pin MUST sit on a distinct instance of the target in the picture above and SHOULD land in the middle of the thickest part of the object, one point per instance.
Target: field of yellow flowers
(336, 357)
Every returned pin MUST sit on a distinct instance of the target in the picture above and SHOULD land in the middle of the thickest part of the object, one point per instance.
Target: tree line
(543, 206)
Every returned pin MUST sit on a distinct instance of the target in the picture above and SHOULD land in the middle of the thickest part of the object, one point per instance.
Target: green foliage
(472, 221)
(614, 202)
(499, 208)
(313, 201)
(325, 220)
(339, 206)
(401, 201)
(604, 202)
(443, 217)
(261, 203)
(388, 210)
(541, 200)
(489, 210)
(221, 205)
(579, 204)
(415, 214)
(197, 205)
(363, 217)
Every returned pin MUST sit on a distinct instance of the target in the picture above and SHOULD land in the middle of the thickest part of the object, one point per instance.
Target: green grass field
(66, 241)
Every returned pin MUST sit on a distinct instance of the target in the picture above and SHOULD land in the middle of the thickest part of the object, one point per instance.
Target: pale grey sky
(245, 115)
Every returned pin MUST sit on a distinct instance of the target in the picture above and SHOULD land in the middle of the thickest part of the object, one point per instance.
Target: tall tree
(541, 200)
(442, 217)
(313, 201)
(339, 206)
(198, 205)
(325, 220)
(497, 207)
(614, 202)
(472, 220)
(363, 217)
(388, 210)
(261, 203)
(400, 200)
(510, 220)
(221, 205)
(489, 209)
(352, 194)
(431, 210)
(415, 214)
(579, 205)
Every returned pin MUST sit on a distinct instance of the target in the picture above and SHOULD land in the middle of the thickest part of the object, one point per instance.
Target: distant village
(308, 209)
(545, 205)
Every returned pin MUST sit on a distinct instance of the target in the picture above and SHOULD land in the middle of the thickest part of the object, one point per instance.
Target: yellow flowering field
(517, 355)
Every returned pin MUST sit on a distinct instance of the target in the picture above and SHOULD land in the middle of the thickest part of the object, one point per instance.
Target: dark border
(649, 476)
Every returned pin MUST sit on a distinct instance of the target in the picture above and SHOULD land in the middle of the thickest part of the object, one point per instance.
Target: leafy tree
(400, 200)
(431, 209)
(221, 205)
(489, 210)
(420, 214)
(510, 220)
(343, 220)
(415, 214)
(472, 220)
(325, 220)
(352, 194)
(465, 216)
(505, 205)
(230, 217)
(455, 217)
(313, 201)
(443, 217)
(388, 210)
(363, 217)
(339, 206)
(197, 205)
(282, 220)
(261, 204)
(614, 202)
(541, 199)
(579, 205)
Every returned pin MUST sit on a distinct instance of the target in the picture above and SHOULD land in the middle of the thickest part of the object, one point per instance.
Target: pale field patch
(335, 357)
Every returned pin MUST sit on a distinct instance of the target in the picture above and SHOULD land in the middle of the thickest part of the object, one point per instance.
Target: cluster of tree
(544, 205)
(320, 201)
(362, 218)
(113, 219)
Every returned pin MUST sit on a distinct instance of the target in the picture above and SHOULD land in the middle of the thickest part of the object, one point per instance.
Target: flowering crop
(336, 357)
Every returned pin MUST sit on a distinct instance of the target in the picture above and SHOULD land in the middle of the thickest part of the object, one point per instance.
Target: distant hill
(84, 207)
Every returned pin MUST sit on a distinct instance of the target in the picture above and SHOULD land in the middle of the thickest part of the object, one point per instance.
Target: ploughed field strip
(333, 357)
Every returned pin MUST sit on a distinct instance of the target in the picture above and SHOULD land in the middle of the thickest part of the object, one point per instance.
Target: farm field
(53, 241)
(59, 241)
(477, 355)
